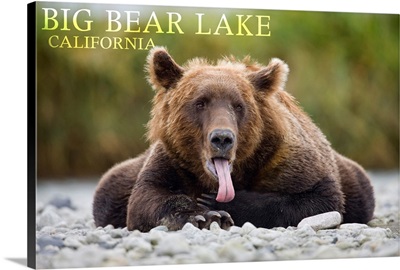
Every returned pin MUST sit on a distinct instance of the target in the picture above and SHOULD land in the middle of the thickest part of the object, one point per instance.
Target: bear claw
(204, 202)
(213, 216)
(199, 218)
(202, 206)
(226, 220)
(223, 219)
(207, 200)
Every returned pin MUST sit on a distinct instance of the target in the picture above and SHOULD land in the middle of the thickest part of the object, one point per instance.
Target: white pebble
(322, 221)
(189, 227)
(137, 244)
(285, 243)
(353, 226)
(172, 244)
(215, 228)
(237, 249)
(154, 236)
(247, 228)
(48, 230)
(376, 232)
(51, 248)
(86, 256)
(235, 230)
(305, 230)
(257, 242)
(160, 228)
(94, 237)
(268, 234)
(116, 233)
(206, 255)
(109, 227)
(347, 244)
(72, 242)
(90, 224)
(49, 217)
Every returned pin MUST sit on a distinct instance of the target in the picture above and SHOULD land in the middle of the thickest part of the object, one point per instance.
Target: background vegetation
(92, 104)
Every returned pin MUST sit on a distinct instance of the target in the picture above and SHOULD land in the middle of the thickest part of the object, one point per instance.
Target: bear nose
(222, 140)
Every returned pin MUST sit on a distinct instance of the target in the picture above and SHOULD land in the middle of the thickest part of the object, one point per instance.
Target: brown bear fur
(234, 113)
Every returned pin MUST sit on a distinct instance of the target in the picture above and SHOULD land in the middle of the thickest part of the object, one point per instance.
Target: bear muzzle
(222, 142)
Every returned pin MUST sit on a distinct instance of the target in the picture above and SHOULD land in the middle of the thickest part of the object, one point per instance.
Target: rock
(108, 228)
(206, 255)
(234, 230)
(247, 228)
(237, 250)
(224, 236)
(390, 248)
(267, 234)
(49, 217)
(193, 234)
(137, 244)
(94, 237)
(154, 236)
(86, 256)
(215, 228)
(346, 244)
(90, 224)
(305, 230)
(48, 230)
(289, 254)
(328, 252)
(190, 228)
(109, 244)
(172, 244)
(257, 242)
(60, 202)
(285, 243)
(117, 233)
(353, 226)
(72, 242)
(62, 230)
(160, 228)
(376, 232)
(51, 249)
(77, 226)
(265, 254)
(322, 221)
(47, 240)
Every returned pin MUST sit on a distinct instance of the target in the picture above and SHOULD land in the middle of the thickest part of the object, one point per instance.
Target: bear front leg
(152, 206)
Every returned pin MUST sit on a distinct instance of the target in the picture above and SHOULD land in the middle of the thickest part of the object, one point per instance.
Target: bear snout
(221, 141)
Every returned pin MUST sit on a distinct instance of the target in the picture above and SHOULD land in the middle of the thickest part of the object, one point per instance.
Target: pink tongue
(226, 193)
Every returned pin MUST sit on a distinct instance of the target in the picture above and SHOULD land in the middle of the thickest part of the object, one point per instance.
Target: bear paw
(204, 220)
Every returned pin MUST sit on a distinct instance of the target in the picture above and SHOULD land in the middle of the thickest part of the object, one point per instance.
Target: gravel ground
(67, 237)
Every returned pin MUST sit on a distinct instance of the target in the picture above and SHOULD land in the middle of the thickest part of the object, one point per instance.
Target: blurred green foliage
(93, 104)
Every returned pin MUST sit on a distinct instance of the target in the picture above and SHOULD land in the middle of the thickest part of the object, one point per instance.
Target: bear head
(212, 117)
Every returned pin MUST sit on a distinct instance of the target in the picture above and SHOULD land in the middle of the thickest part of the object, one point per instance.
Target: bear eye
(239, 107)
(200, 105)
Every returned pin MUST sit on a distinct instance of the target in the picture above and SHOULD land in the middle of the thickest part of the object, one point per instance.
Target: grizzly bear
(230, 145)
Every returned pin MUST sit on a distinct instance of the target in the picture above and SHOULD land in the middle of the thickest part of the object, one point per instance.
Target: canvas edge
(31, 134)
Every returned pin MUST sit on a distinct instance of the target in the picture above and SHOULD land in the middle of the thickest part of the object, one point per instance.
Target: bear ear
(162, 70)
(272, 77)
